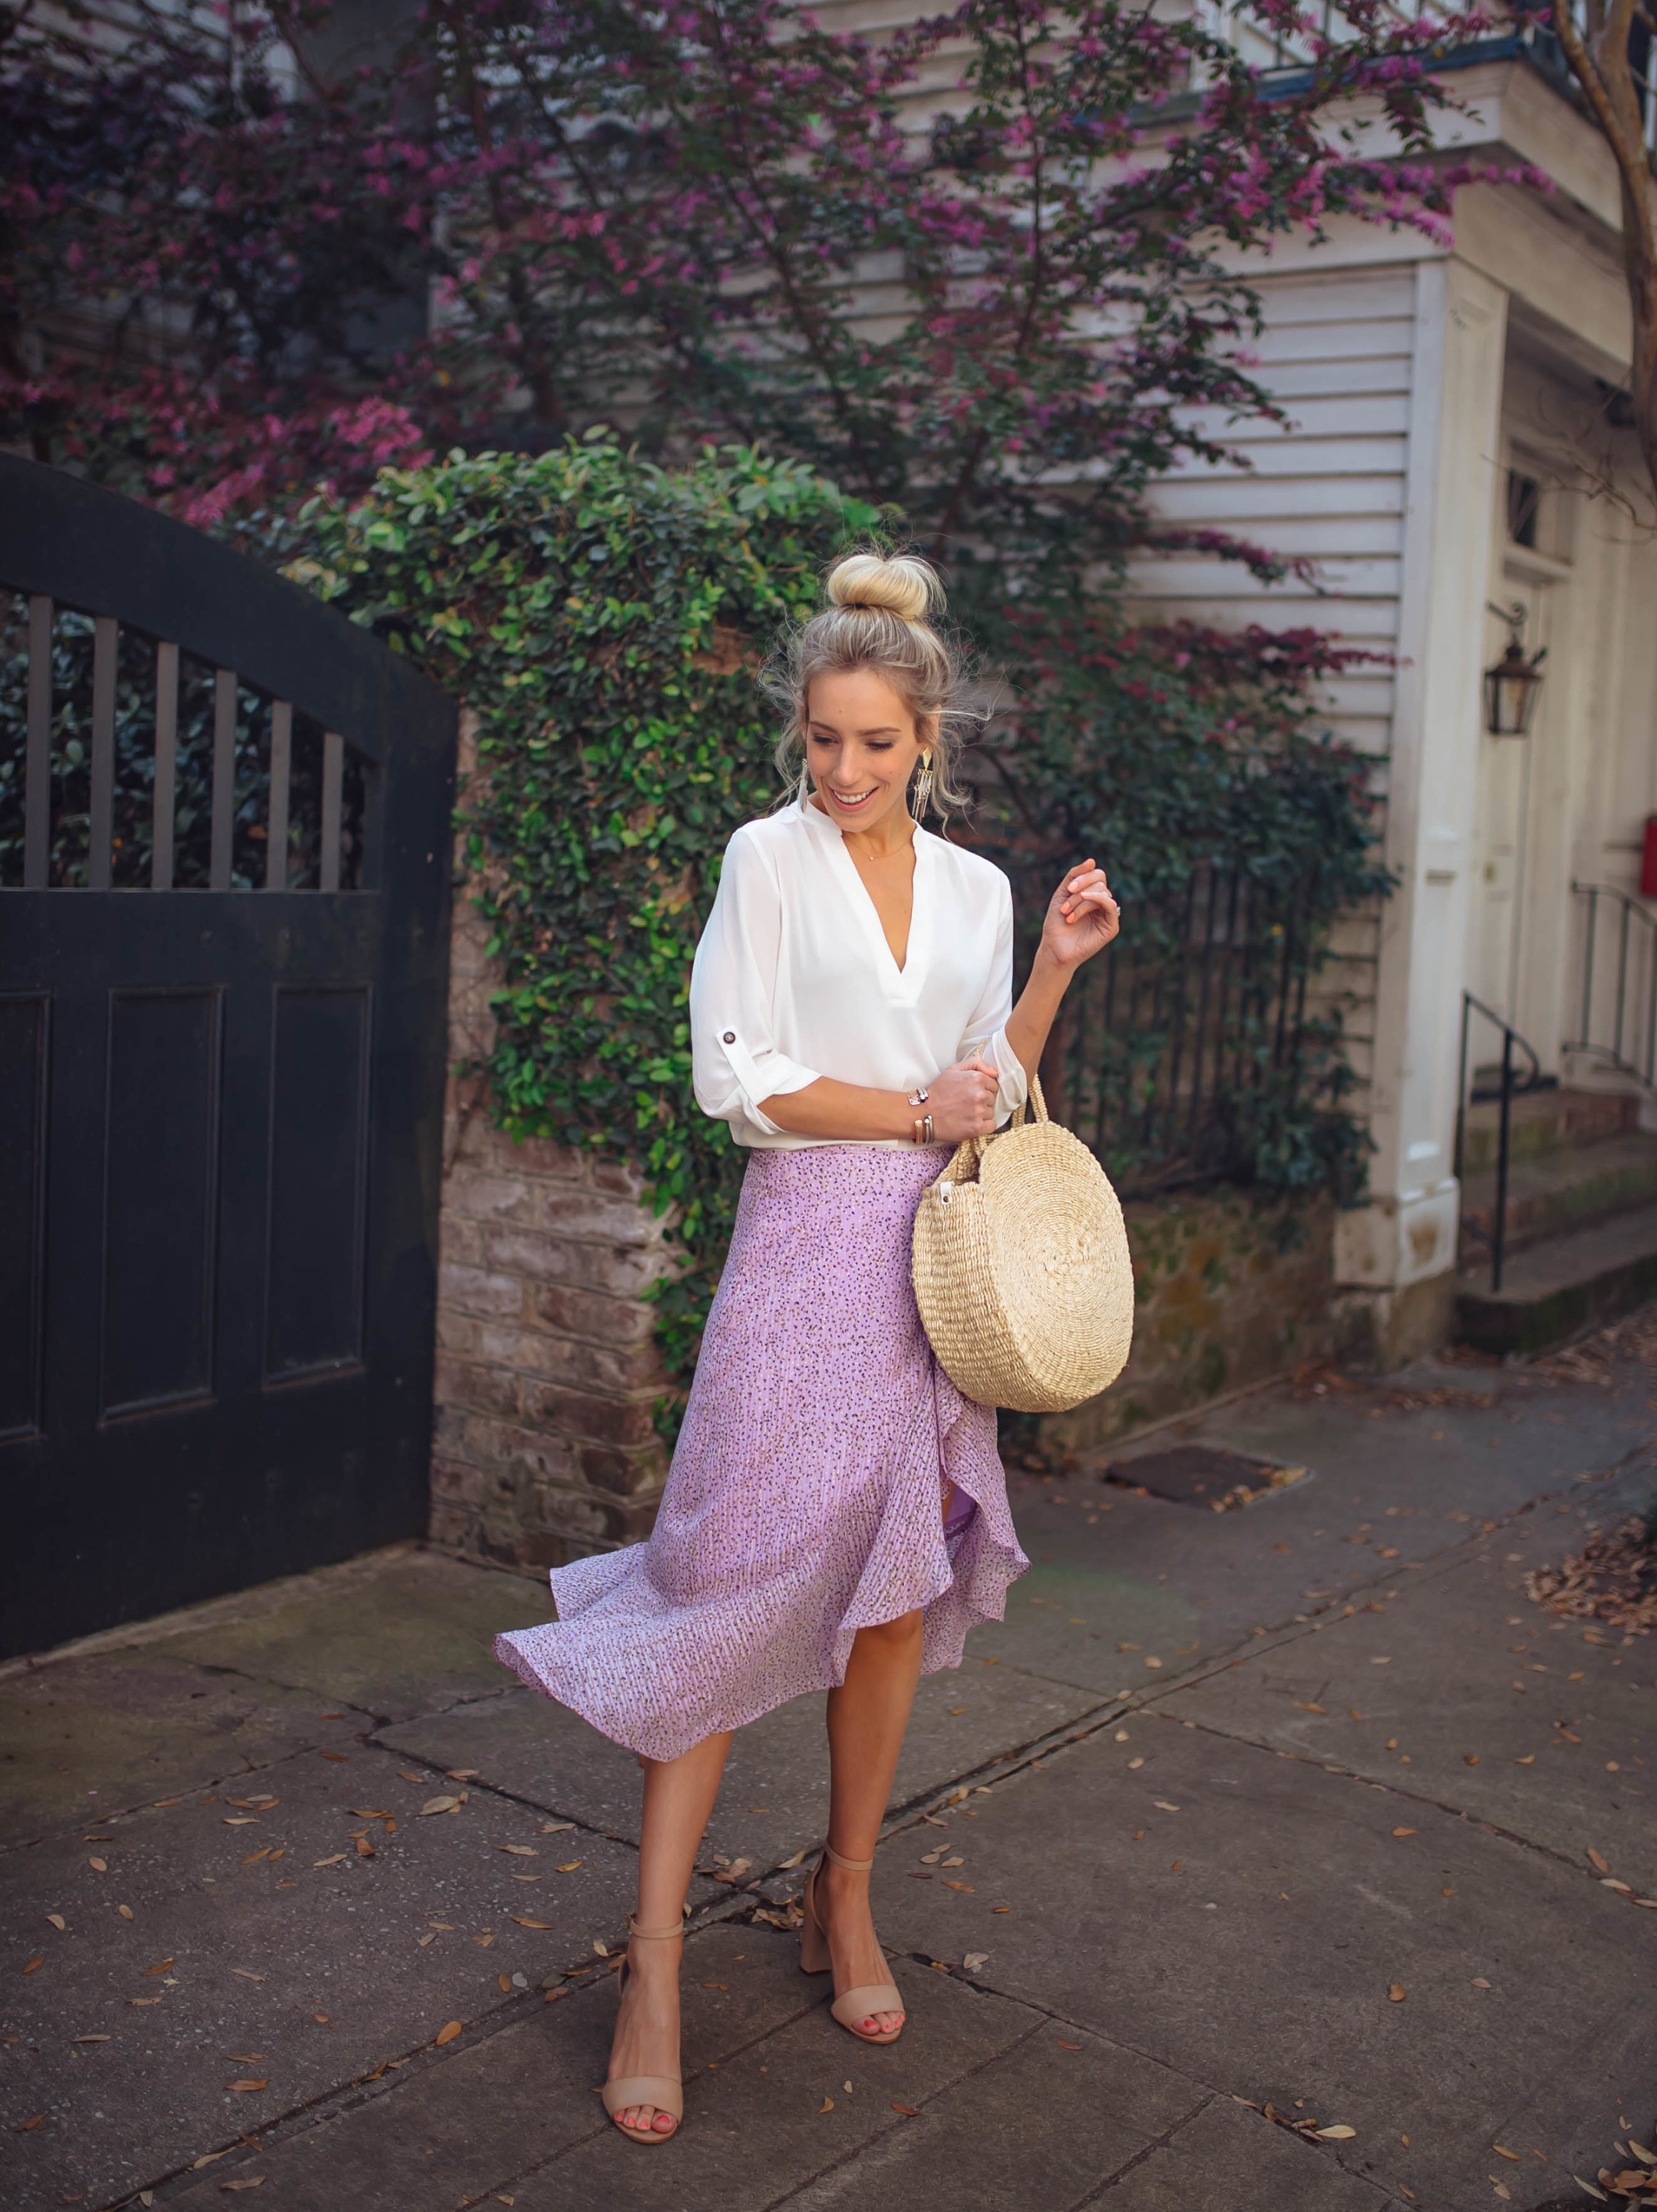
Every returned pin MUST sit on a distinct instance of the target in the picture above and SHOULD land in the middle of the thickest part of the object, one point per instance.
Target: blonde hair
(876, 617)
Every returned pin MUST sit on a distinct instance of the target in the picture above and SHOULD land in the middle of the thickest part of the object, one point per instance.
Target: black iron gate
(223, 959)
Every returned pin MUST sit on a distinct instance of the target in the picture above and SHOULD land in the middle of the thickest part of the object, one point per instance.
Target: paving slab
(411, 1636)
(1242, 1916)
(470, 2120)
(1228, 2155)
(774, 1800)
(388, 1948)
(1037, 2128)
(778, 2113)
(106, 1731)
(1393, 1488)
(1460, 1691)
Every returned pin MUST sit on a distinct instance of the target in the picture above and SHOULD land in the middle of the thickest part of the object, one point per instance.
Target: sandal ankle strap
(852, 1866)
(651, 1934)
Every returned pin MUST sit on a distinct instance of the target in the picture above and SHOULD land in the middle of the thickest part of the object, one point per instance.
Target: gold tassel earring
(923, 791)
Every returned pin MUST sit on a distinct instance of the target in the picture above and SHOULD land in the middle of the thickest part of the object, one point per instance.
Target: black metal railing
(1617, 1023)
(1508, 1088)
(1190, 1045)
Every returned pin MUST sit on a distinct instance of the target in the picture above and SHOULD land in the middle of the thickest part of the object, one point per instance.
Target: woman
(836, 1516)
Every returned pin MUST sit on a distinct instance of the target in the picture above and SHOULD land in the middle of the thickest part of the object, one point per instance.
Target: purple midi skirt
(802, 1502)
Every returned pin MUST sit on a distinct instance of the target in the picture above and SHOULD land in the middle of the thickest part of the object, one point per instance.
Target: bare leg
(679, 1796)
(867, 1716)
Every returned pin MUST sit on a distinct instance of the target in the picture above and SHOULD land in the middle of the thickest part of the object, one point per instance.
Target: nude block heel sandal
(852, 2005)
(664, 2091)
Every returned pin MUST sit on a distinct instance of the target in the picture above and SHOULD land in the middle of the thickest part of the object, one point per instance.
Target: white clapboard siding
(1328, 487)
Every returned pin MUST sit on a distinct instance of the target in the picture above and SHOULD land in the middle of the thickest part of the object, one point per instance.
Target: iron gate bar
(37, 760)
(100, 822)
(166, 756)
(282, 763)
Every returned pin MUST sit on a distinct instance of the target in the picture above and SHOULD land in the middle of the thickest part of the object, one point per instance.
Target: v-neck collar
(902, 983)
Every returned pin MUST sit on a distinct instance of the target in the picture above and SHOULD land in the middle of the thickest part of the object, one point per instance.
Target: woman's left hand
(1082, 916)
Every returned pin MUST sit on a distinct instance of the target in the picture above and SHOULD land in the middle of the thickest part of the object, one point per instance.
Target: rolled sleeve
(987, 1032)
(735, 1061)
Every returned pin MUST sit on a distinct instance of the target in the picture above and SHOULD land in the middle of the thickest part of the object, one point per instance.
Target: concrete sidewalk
(1259, 1860)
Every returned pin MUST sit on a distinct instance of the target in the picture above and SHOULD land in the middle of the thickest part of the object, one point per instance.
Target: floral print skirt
(804, 1500)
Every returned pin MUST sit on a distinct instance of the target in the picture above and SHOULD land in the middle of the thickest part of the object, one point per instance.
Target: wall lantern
(1510, 688)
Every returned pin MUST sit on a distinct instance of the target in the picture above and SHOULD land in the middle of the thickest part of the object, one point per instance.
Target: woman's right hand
(962, 1100)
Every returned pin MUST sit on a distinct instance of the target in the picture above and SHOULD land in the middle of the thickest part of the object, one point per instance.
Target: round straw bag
(1021, 1271)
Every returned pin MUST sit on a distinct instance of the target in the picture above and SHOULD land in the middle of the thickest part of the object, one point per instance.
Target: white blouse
(793, 978)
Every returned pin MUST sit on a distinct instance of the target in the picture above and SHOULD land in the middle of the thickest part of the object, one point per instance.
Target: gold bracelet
(923, 1131)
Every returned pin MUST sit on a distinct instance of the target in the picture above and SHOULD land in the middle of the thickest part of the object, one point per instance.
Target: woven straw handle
(969, 1152)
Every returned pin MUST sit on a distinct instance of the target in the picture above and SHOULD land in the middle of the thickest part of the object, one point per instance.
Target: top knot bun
(904, 585)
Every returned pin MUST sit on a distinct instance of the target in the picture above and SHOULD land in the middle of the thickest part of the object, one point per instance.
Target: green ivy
(604, 618)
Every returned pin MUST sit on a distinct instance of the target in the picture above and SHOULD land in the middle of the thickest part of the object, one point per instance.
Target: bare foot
(842, 1903)
(648, 2031)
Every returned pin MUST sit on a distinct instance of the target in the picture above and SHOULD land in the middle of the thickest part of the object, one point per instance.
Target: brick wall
(546, 1373)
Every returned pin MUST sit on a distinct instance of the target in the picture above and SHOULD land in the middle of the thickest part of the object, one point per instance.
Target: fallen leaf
(975, 1960)
(430, 1936)
(447, 2033)
(253, 1858)
(57, 1922)
(247, 1973)
(252, 2181)
(146, 2001)
(33, 1963)
(519, 1850)
(1404, 1832)
(909, 2111)
(1598, 2194)
(463, 1773)
(445, 1804)
(1395, 1991)
(1469, 1759)
(339, 1757)
(827, 2105)
(1162, 1805)
(1152, 1661)
(1338, 2133)
(1529, 1759)
(1308, 1707)
(570, 1865)
(89, 2038)
(783, 1868)
(1134, 1764)
(26, 2127)
(126, 1912)
(1063, 2045)
(161, 1969)
(1501, 2153)
(557, 1827)
(241, 1820)
(263, 2084)
(966, 1885)
(207, 2158)
(338, 1859)
(1479, 1982)
(364, 1849)
(524, 1924)
(1380, 1663)
(1599, 1864)
(99, 1866)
